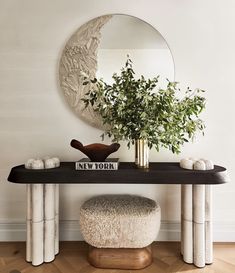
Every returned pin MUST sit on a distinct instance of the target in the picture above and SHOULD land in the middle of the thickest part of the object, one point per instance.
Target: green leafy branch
(133, 109)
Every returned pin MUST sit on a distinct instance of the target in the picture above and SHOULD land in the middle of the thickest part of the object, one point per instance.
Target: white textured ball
(186, 164)
(209, 164)
(199, 165)
(56, 161)
(49, 163)
(38, 164)
(29, 163)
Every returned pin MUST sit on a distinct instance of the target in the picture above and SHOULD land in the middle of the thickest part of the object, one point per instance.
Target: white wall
(36, 121)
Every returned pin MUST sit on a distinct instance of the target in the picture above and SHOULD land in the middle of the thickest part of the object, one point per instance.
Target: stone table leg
(208, 225)
(29, 223)
(187, 225)
(199, 225)
(37, 224)
(42, 223)
(196, 225)
(49, 222)
(56, 219)
(182, 222)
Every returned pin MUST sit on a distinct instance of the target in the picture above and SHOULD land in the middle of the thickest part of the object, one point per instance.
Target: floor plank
(72, 259)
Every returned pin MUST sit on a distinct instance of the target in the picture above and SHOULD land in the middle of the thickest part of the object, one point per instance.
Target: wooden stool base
(120, 258)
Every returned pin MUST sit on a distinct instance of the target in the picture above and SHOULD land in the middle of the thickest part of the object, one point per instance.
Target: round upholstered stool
(120, 230)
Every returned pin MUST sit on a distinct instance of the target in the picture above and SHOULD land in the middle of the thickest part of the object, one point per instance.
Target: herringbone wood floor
(72, 259)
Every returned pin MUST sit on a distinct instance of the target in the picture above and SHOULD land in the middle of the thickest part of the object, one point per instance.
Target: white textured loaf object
(29, 163)
(195, 164)
(38, 164)
(45, 163)
(49, 163)
(199, 165)
(56, 161)
(186, 164)
(120, 221)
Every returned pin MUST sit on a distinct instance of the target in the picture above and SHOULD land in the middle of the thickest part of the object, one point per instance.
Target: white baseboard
(12, 232)
(69, 231)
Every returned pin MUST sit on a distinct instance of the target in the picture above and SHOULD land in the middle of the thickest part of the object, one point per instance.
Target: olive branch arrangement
(137, 109)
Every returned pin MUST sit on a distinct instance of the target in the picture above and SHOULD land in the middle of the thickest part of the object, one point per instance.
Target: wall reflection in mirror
(124, 35)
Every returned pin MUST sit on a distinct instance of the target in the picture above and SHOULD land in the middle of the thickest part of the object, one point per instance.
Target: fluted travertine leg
(56, 219)
(42, 223)
(182, 220)
(187, 224)
(49, 222)
(29, 224)
(199, 225)
(208, 224)
(37, 224)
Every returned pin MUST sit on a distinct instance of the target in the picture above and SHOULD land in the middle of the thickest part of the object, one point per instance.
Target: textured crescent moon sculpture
(79, 59)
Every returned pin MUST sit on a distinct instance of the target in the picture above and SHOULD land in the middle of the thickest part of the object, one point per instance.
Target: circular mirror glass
(101, 46)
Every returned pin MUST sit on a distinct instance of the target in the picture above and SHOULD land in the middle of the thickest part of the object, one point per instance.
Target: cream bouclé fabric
(120, 221)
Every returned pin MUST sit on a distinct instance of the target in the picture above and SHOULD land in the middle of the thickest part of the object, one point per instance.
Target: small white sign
(85, 165)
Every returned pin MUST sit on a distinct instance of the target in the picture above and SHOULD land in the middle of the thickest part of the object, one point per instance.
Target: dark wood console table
(43, 203)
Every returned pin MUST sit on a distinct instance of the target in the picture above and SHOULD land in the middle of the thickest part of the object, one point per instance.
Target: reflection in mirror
(125, 35)
(100, 47)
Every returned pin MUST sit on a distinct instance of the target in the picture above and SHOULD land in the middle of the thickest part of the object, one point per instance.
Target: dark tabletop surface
(128, 173)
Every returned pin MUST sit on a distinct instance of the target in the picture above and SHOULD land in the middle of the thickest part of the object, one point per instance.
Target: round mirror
(101, 46)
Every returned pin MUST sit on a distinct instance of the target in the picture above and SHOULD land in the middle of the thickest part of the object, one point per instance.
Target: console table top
(128, 173)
